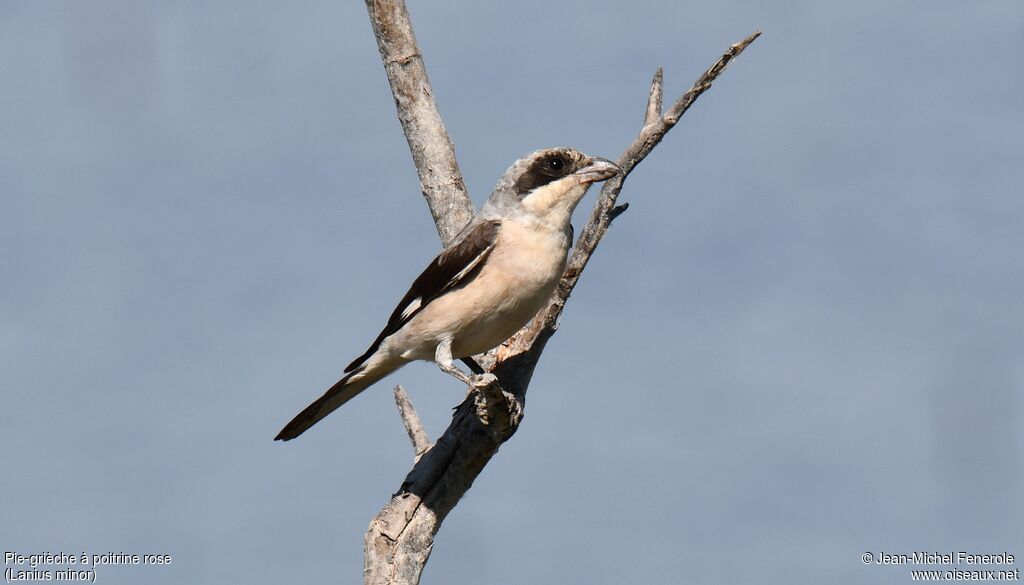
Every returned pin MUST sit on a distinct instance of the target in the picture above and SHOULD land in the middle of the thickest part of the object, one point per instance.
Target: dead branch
(650, 135)
(411, 420)
(400, 538)
(431, 148)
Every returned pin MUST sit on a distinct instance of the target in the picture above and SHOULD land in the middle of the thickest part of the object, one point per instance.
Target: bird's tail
(343, 390)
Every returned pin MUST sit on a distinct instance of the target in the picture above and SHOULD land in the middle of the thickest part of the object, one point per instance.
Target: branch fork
(400, 538)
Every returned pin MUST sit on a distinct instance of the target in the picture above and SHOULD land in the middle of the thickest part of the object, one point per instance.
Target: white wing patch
(411, 307)
(469, 267)
(417, 303)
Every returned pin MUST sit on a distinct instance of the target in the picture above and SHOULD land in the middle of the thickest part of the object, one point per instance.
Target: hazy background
(803, 341)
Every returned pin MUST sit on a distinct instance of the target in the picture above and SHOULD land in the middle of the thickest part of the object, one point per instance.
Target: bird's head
(547, 184)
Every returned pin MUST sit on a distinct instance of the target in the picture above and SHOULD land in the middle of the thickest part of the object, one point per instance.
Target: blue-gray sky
(803, 341)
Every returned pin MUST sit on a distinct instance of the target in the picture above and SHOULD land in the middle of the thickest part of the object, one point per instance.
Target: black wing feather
(442, 275)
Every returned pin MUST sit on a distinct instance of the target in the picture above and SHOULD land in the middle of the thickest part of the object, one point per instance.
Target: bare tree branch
(530, 341)
(653, 113)
(411, 420)
(400, 538)
(432, 149)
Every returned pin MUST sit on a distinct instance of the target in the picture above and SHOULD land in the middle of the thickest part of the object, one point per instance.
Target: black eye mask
(543, 171)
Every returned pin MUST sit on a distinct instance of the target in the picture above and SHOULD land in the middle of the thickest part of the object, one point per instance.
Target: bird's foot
(443, 357)
(456, 373)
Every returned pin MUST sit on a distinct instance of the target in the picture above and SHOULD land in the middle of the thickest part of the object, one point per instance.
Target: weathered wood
(400, 538)
(413, 426)
(432, 150)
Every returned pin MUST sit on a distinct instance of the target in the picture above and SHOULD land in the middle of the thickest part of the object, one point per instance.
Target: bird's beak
(597, 169)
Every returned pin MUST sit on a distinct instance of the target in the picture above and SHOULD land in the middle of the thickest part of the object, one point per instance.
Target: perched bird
(493, 278)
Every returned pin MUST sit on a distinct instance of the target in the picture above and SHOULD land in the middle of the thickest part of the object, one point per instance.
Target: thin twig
(411, 420)
(704, 82)
(602, 215)
(617, 211)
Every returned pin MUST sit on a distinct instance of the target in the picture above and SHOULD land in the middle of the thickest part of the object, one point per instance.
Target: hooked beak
(597, 169)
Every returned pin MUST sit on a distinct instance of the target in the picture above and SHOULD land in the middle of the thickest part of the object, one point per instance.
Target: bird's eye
(556, 163)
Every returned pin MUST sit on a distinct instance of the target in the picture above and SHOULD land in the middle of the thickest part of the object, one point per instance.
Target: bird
(496, 274)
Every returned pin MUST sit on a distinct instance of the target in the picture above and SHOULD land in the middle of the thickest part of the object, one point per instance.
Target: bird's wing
(451, 267)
